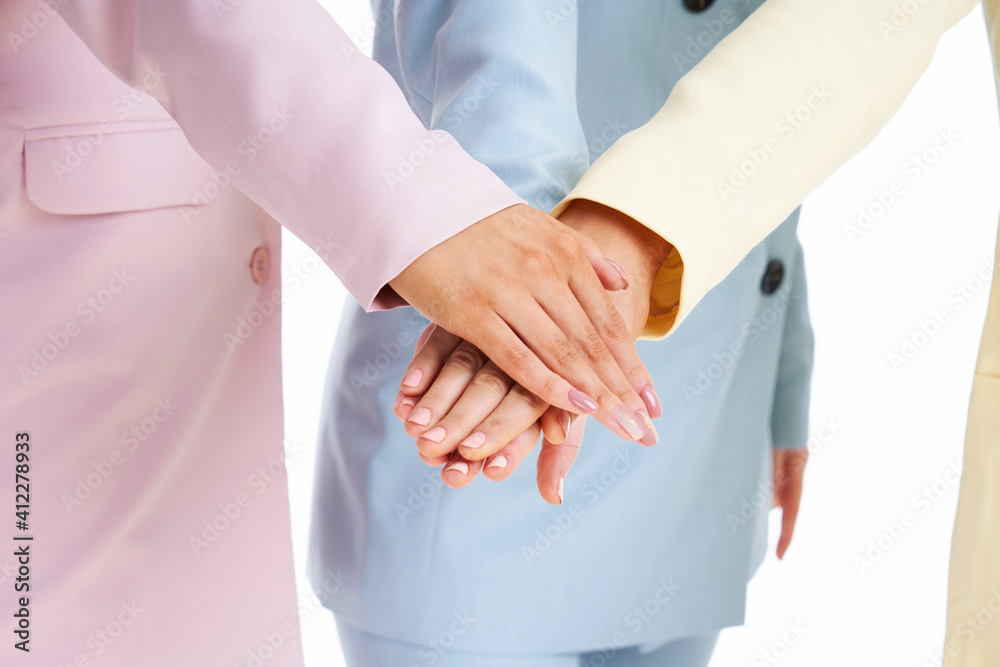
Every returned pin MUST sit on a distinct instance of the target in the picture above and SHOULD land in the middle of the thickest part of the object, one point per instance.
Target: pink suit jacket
(140, 306)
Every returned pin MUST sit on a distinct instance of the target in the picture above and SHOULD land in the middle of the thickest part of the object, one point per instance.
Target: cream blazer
(768, 115)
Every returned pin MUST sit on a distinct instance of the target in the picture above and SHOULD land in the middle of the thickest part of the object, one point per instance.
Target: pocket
(109, 167)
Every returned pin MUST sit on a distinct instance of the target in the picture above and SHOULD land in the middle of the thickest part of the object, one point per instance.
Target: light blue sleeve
(501, 78)
(790, 415)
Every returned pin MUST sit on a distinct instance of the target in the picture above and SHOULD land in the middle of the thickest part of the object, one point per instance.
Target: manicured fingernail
(436, 434)
(475, 441)
(651, 437)
(620, 271)
(629, 425)
(413, 378)
(562, 483)
(651, 400)
(582, 401)
(566, 420)
(420, 417)
(458, 466)
(499, 461)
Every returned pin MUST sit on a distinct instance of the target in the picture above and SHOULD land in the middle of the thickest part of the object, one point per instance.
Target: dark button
(773, 276)
(698, 5)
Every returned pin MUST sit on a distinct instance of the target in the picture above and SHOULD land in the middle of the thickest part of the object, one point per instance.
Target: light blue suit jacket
(650, 544)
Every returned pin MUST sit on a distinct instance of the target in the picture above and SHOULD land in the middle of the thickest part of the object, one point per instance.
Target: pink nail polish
(413, 378)
(651, 437)
(475, 441)
(458, 466)
(420, 417)
(436, 434)
(629, 425)
(499, 461)
(652, 401)
(582, 401)
(620, 271)
(566, 421)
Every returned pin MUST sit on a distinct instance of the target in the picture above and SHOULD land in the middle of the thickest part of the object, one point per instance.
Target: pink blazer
(140, 307)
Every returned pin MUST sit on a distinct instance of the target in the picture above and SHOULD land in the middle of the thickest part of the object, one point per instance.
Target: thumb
(555, 460)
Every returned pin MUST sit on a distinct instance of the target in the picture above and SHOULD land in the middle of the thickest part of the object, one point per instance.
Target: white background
(898, 430)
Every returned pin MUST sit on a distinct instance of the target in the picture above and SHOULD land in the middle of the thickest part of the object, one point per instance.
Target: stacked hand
(466, 412)
(535, 302)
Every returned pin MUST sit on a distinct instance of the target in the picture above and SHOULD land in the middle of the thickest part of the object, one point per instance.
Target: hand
(530, 293)
(789, 467)
(458, 392)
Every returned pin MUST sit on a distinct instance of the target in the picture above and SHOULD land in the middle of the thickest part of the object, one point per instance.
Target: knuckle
(527, 397)
(466, 358)
(493, 381)
(541, 263)
(566, 248)
(614, 326)
(604, 397)
(563, 352)
(519, 358)
(594, 347)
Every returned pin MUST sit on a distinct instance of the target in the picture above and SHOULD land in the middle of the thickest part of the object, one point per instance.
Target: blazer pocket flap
(91, 169)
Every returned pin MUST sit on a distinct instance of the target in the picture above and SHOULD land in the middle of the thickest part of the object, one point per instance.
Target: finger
(501, 465)
(518, 410)
(451, 382)
(795, 464)
(458, 472)
(434, 461)
(555, 461)
(499, 342)
(461, 423)
(579, 357)
(555, 424)
(403, 405)
(611, 275)
(431, 354)
(623, 361)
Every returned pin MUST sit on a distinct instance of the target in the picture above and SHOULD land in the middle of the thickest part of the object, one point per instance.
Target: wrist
(637, 249)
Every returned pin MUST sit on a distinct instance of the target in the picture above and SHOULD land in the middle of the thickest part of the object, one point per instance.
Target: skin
(535, 301)
(464, 392)
(460, 392)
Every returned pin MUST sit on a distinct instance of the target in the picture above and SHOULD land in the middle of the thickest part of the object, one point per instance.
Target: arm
(767, 116)
(501, 77)
(339, 158)
(790, 414)
(330, 133)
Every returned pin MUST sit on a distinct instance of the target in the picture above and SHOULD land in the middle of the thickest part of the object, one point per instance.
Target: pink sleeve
(318, 134)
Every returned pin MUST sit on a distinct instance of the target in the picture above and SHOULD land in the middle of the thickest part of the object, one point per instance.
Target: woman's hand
(453, 398)
(530, 292)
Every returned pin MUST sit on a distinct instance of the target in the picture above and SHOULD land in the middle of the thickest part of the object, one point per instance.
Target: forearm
(320, 136)
(767, 116)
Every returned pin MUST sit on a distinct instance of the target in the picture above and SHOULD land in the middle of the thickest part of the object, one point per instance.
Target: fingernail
(499, 461)
(620, 271)
(475, 441)
(566, 420)
(582, 401)
(436, 434)
(413, 378)
(651, 400)
(458, 466)
(562, 483)
(629, 425)
(420, 417)
(651, 437)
